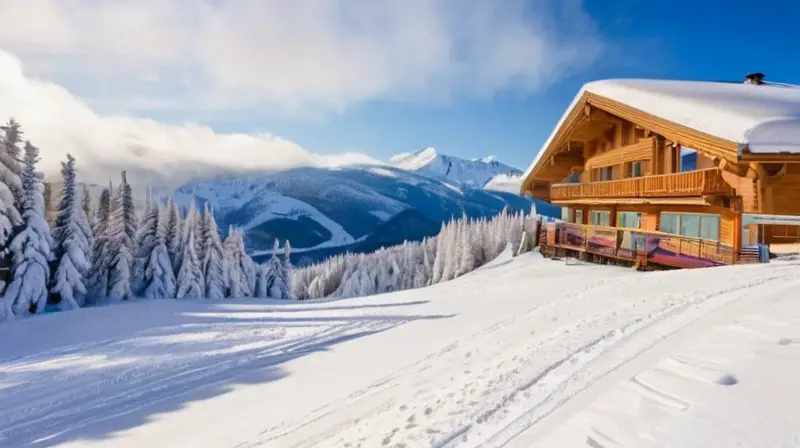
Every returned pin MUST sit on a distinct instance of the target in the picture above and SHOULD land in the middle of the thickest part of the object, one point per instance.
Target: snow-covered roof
(764, 117)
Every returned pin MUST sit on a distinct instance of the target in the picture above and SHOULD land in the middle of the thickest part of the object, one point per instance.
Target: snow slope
(470, 173)
(509, 183)
(519, 353)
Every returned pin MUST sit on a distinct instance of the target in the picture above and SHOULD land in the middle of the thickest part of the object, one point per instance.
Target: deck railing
(638, 245)
(690, 183)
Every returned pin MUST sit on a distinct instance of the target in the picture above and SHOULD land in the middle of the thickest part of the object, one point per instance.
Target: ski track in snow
(497, 358)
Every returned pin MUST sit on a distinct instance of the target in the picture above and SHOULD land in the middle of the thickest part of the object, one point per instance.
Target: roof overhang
(699, 200)
(683, 135)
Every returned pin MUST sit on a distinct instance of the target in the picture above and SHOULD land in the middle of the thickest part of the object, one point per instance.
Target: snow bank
(764, 117)
(523, 351)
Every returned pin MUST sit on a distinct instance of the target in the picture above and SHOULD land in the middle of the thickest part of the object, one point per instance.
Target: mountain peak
(473, 173)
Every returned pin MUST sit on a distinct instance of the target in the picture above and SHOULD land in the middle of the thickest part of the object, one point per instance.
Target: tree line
(96, 253)
(92, 254)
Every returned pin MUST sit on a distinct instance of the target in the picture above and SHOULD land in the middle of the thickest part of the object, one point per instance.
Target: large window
(600, 217)
(692, 225)
(578, 216)
(632, 220)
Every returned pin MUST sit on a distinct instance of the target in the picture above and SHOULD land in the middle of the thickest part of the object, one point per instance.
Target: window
(632, 220)
(600, 217)
(602, 174)
(578, 216)
(636, 169)
(691, 225)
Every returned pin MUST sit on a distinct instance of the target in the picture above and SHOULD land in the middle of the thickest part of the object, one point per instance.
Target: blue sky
(694, 39)
(275, 84)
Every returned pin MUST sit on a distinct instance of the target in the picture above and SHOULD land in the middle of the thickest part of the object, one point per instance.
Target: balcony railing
(638, 245)
(690, 183)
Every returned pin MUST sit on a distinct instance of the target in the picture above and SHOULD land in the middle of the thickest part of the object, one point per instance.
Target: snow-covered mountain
(468, 173)
(359, 208)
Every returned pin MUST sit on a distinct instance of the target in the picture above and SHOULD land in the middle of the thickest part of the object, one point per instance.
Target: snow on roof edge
(765, 118)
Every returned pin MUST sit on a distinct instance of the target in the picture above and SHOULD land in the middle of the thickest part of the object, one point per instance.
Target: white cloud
(295, 55)
(57, 122)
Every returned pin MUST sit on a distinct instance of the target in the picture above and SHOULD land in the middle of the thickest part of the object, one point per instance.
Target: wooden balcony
(639, 246)
(707, 182)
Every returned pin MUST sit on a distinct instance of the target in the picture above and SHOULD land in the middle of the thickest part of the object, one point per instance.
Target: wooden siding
(639, 151)
(782, 195)
(651, 214)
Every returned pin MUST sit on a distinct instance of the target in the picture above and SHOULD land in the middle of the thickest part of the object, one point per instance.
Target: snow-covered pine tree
(212, 265)
(158, 280)
(277, 287)
(441, 251)
(238, 266)
(190, 276)
(10, 166)
(287, 268)
(122, 233)
(30, 247)
(261, 291)
(174, 235)
(71, 243)
(86, 201)
(192, 219)
(101, 255)
(145, 243)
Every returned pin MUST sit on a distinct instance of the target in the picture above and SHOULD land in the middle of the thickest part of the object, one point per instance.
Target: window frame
(679, 224)
(606, 213)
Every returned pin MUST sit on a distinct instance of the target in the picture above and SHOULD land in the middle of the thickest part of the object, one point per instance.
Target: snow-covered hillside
(319, 208)
(522, 352)
(509, 183)
(472, 173)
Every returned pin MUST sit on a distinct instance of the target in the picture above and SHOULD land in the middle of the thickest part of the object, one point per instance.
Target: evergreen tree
(190, 276)
(157, 279)
(174, 235)
(287, 268)
(262, 280)
(101, 253)
(71, 244)
(212, 265)
(30, 247)
(277, 287)
(121, 234)
(86, 201)
(10, 167)
(238, 266)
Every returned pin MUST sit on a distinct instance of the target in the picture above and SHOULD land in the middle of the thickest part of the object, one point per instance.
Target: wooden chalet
(673, 173)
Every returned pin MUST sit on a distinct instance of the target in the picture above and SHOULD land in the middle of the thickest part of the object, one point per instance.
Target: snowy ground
(521, 353)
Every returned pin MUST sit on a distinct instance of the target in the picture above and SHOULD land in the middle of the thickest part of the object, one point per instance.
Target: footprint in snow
(727, 380)
(785, 341)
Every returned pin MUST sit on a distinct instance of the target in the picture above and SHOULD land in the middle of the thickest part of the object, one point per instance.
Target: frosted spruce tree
(157, 281)
(10, 166)
(212, 263)
(190, 276)
(173, 237)
(261, 291)
(30, 247)
(101, 250)
(71, 243)
(287, 268)
(122, 232)
(277, 285)
(86, 201)
(238, 267)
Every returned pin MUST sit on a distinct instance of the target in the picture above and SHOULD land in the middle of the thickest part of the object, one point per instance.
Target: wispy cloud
(295, 55)
(159, 153)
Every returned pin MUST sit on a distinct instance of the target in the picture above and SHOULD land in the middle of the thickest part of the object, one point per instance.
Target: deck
(634, 246)
(706, 182)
